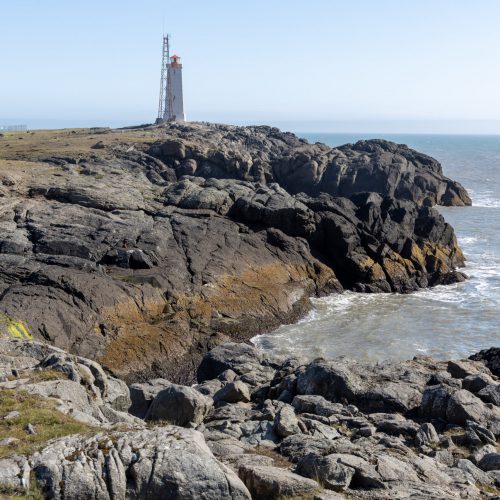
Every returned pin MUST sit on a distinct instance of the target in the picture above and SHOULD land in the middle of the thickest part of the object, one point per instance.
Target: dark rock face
(490, 357)
(265, 155)
(146, 260)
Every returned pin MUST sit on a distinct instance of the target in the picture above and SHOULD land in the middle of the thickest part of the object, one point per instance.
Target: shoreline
(162, 242)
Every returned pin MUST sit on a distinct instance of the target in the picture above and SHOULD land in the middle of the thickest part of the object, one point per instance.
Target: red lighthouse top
(175, 60)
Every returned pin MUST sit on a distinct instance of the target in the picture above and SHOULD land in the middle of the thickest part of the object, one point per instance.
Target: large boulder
(179, 405)
(142, 395)
(165, 462)
(455, 406)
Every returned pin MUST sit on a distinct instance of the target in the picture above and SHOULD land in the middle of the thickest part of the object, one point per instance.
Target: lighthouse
(175, 80)
(171, 105)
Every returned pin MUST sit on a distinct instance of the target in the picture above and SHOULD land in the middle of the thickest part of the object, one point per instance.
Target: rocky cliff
(142, 248)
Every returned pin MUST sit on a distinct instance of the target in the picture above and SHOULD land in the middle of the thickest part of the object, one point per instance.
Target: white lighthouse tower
(175, 79)
(171, 105)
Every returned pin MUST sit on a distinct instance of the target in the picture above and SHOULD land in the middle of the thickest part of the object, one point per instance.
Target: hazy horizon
(325, 66)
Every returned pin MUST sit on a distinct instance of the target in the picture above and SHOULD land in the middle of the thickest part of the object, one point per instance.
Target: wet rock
(147, 257)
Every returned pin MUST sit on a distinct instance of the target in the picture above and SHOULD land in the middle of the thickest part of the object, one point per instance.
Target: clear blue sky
(351, 65)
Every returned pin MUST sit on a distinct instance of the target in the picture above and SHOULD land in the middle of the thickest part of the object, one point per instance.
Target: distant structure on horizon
(171, 105)
(13, 128)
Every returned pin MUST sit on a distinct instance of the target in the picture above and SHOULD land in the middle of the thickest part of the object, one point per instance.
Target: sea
(446, 322)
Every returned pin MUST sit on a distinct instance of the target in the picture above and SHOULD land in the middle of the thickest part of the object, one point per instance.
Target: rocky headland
(134, 265)
(252, 427)
(143, 248)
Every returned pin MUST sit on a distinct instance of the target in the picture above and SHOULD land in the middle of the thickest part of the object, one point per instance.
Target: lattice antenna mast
(165, 104)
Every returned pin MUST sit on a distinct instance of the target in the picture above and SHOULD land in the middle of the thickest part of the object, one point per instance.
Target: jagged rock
(490, 394)
(264, 154)
(179, 405)
(274, 483)
(320, 430)
(367, 388)
(490, 461)
(257, 432)
(477, 435)
(426, 435)
(99, 467)
(477, 474)
(365, 474)
(474, 383)
(491, 358)
(482, 452)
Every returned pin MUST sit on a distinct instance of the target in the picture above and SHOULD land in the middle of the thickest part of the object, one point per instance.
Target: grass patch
(37, 411)
(279, 460)
(487, 488)
(45, 375)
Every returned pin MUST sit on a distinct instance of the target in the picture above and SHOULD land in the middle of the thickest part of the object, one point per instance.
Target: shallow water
(445, 321)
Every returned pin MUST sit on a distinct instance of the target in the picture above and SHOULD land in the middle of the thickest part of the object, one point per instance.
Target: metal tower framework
(165, 104)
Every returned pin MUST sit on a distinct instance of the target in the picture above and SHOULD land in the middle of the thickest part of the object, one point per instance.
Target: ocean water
(446, 321)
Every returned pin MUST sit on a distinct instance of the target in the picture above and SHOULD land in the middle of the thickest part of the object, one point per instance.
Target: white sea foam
(444, 321)
(467, 240)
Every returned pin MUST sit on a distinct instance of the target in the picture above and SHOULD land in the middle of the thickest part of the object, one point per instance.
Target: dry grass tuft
(37, 411)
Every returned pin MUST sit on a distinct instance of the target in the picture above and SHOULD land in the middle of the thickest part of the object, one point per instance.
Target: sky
(317, 65)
